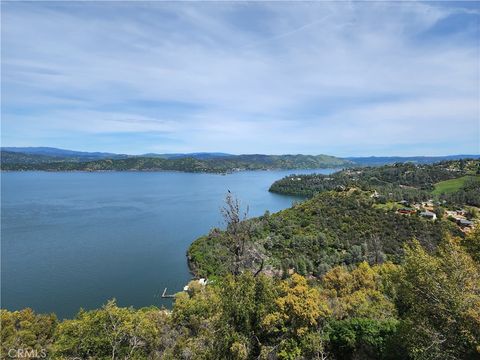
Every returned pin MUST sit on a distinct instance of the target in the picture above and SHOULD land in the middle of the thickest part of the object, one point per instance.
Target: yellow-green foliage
(472, 244)
(26, 330)
(111, 331)
(439, 299)
(299, 308)
(426, 308)
(358, 293)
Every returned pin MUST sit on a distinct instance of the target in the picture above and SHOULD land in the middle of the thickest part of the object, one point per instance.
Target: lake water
(71, 240)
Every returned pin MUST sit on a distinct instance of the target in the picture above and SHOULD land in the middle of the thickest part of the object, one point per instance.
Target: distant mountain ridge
(361, 160)
(62, 153)
(64, 160)
(86, 155)
(196, 155)
(54, 159)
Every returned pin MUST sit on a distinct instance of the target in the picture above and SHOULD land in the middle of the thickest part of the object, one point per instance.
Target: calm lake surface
(71, 240)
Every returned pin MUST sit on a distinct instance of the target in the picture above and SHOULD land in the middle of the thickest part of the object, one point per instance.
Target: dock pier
(165, 295)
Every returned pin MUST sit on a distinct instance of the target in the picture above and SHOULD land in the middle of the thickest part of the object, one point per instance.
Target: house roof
(428, 213)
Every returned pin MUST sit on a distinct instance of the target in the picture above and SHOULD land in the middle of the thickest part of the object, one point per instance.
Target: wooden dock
(165, 295)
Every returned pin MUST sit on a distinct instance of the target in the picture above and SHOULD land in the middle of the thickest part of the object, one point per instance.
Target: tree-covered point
(425, 308)
(404, 181)
(15, 161)
(332, 228)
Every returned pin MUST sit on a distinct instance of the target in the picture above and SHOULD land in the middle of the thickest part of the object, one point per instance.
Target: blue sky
(340, 78)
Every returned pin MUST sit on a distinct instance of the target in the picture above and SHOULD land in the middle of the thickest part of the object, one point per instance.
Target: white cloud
(277, 77)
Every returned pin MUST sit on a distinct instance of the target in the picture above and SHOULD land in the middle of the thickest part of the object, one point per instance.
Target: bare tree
(375, 250)
(237, 230)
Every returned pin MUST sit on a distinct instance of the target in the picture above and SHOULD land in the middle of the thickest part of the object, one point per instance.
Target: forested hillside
(386, 160)
(10, 157)
(397, 182)
(333, 228)
(221, 164)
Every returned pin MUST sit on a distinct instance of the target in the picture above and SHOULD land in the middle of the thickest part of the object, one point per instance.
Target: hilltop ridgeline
(354, 215)
(397, 182)
(53, 159)
(16, 161)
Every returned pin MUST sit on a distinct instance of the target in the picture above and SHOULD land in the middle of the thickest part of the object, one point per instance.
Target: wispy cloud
(339, 78)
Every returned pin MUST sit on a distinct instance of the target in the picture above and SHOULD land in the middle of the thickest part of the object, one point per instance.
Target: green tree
(111, 332)
(361, 338)
(439, 302)
(358, 293)
(25, 329)
(245, 301)
(300, 310)
(471, 243)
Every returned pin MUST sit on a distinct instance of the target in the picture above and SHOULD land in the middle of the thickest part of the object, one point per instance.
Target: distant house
(201, 281)
(406, 211)
(465, 223)
(428, 214)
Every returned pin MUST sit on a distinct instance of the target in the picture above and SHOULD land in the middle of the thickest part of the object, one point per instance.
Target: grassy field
(450, 186)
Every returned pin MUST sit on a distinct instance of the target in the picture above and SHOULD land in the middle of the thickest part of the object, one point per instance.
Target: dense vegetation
(9, 157)
(396, 182)
(426, 308)
(386, 160)
(338, 276)
(464, 190)
(332, 228)
(23, 162)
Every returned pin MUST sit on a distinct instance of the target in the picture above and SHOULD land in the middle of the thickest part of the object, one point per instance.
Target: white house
(428, 214)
